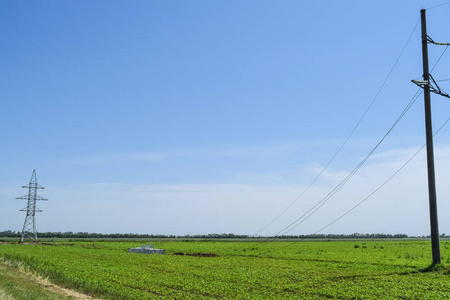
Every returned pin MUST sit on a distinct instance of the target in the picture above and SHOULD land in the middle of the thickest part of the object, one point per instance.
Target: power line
(445, 49)
(438, 5)
(439, 59)
(392, 176)
(377, 189)
(325, 199)
(371, 194)
(348, 137)
(310, 212)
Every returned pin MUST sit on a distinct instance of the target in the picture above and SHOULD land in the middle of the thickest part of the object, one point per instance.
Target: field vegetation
(242, 270)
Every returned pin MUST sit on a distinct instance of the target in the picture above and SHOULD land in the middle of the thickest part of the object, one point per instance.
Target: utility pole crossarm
(38, 186)
(433, 86)
(37, 198)
(35, 210)
(430, 41)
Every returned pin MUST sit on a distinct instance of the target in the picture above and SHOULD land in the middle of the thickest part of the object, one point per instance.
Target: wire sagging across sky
(339, 186)
(347, 138)
(316, 207)
(377, 189)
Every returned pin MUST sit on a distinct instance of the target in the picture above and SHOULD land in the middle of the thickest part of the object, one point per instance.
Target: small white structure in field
(147, 249)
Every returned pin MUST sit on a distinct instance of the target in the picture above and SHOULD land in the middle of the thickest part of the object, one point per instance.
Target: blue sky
(186, 117)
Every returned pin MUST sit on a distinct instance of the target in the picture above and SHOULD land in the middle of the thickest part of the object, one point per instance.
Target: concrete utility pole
(435, 248)
(429, 85)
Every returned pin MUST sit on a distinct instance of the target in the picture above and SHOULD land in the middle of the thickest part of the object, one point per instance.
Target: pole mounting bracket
(434, 87)
(430, 41)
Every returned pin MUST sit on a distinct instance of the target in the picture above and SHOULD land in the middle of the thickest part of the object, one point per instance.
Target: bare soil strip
(44, 283)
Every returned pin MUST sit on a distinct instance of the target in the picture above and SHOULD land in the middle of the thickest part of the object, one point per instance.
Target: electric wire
(439, 59)
(436, 63)
(442, 54)
(348, 137)
(291, 226)
(310, 212)
(325, 199)
(415, 97)
(438, 5)
(377, 189)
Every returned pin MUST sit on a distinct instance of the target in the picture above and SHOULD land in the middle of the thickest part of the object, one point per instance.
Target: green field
(242, 270)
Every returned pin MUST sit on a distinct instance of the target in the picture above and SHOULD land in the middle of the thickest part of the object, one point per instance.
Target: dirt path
(41, 282)
(45, 283)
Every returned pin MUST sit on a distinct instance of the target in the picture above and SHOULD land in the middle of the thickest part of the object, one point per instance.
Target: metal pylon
(29, 226)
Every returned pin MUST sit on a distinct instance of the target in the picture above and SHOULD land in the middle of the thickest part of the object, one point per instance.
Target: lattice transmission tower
(29, 226)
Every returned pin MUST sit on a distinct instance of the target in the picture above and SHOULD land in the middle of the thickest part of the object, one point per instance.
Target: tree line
(87, 235)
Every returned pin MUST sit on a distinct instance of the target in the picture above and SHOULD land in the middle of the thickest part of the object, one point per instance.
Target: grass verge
(17, 283)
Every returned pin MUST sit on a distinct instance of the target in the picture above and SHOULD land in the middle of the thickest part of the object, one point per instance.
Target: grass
(16, 283)
(442, 269)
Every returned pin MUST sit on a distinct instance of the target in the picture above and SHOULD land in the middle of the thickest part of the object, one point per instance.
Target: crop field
(241, 270)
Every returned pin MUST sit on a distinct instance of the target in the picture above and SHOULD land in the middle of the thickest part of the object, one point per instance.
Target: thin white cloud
(401, 206)
(252, 151)
(115, 158)
(262, 151)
